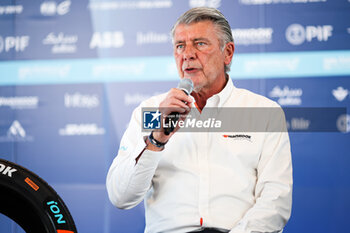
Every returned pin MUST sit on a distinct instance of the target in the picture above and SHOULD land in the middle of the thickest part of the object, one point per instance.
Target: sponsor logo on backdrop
(120, 5)
(78, 100)
(81, 130)
(11, 10)
(20, 102)
(16, 43)
(61, 43)
(107, 40)
(252, 36)
(297, 34)
(52, 8)
(282, 64)
(340, 93)
(43, 71)
(16, 130)
(112, 69)
(137, 98)
(207, 3)
(152, 38)
(16, 133)
(343, 123)
(287, 96)
(298, 124)
(341, 62)
(268, 2)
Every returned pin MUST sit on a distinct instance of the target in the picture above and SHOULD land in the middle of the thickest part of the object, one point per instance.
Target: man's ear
(228, 52)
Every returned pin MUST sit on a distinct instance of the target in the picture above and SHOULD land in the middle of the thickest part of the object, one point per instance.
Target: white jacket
(206, 179)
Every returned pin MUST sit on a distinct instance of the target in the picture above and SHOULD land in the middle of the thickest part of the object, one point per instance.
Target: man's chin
(197, 88)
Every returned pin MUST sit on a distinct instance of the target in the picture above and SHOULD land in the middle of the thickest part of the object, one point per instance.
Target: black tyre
(31, 202)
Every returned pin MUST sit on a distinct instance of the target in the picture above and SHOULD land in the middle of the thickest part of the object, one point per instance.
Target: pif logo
(297, 34)
(16, 43)
(343, 123)
(151, 119)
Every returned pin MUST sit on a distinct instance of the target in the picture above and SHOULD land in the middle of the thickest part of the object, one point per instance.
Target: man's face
(198, 54)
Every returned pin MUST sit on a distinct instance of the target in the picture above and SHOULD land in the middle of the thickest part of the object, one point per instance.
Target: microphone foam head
(186, 85)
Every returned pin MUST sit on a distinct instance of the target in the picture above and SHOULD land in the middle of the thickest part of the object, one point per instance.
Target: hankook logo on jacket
(239, 137)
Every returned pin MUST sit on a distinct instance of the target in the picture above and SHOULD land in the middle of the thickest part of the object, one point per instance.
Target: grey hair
(199, 14)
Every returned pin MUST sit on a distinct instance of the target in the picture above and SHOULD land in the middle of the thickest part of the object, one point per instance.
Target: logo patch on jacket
(245, 137)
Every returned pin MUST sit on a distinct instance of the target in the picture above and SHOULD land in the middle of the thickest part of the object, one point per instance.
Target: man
(202, 181)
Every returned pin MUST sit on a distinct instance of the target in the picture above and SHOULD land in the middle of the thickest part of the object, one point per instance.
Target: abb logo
(108, 39)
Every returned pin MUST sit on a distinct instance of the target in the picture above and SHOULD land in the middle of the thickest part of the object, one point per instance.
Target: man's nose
(189, 53)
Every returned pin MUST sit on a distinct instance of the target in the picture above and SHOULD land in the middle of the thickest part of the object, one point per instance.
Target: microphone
(186, 85)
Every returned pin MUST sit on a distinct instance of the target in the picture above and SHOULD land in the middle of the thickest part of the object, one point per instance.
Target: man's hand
(175, 101)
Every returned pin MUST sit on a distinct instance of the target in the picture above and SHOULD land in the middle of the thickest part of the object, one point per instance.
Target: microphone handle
(172, 119)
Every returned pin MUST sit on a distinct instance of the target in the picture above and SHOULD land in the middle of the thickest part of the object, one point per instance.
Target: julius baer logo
(286, 95)
(154, 120)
